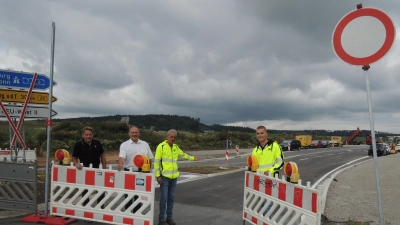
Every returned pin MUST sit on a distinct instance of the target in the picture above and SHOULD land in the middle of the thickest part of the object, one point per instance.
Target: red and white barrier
(237, 150)
(118, 187)
(289, 203)
(30, 155)
(226, 155)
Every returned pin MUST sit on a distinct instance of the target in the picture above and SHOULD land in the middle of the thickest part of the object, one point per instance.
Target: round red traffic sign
(363, 36)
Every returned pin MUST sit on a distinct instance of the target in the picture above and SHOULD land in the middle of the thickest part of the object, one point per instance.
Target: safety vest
(165, 160)
(269, 158)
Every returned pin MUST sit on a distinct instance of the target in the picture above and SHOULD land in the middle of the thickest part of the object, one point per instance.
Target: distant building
(207, 131)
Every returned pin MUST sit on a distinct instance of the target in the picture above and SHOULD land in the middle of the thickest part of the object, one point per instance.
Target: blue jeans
(167, 189)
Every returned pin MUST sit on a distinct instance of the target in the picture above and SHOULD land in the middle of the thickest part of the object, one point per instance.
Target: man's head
(134, 133)
(171, 136)
(87, 134)
(262, 134)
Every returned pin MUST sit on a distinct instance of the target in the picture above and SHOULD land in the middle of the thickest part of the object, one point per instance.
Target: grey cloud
(224, 62)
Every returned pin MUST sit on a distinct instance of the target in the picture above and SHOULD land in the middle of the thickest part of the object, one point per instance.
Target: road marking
(304, 159)
(337, 168)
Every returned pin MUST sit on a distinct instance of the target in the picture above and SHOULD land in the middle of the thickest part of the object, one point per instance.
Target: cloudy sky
(234, 62)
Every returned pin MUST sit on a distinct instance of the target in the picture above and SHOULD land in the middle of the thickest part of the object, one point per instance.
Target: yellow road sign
(20, 96)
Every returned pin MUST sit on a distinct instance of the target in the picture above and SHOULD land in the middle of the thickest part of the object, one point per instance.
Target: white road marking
(304, 159)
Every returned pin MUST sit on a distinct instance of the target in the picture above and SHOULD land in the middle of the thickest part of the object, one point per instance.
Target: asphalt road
(218, 200)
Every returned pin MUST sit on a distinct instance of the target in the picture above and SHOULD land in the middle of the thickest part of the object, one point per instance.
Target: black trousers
(129, 203)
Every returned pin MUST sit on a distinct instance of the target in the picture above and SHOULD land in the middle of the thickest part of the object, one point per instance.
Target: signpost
(9, 95)
(15, 111)
(361, 38)
(22, 80)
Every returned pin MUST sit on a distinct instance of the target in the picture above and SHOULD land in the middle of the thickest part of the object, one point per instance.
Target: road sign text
(20, 96)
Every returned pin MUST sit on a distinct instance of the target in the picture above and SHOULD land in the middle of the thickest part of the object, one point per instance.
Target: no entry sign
(363, 36)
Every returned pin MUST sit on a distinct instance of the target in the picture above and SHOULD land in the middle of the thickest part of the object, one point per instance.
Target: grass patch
(207, 169)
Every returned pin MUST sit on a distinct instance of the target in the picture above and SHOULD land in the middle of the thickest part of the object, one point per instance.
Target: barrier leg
(48, 220)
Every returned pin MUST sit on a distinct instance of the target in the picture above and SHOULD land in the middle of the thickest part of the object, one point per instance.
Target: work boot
(171, 222)
(162, 223)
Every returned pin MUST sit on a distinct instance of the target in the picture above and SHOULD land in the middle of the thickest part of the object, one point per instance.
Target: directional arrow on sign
(20, 96)
(15, 111)
(22, 80)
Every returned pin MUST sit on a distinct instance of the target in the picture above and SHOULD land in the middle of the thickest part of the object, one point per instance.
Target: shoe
(171, 222)
(162, 223)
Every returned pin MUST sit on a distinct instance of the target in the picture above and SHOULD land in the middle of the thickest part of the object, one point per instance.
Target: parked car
(317, 144)
(387, 148)
(380, 149)
(325, 143)
(294, 145)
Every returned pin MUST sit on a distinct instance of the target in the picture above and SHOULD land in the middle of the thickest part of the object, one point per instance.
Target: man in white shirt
(132, 147)
(127, 152)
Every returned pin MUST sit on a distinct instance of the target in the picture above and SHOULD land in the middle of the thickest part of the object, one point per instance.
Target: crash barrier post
(237, 150)
(18, 186)
(6, 154)
(106, 193)
(269, 200)
(226, 157)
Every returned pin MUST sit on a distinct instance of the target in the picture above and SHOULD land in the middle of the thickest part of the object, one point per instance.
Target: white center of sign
(363, 36)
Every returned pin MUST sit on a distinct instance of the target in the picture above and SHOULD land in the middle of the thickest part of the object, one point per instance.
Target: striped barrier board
(30, 155)
(107, 193)
(269, 200)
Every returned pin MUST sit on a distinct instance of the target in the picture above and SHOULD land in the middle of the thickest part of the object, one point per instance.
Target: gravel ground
(354, 195)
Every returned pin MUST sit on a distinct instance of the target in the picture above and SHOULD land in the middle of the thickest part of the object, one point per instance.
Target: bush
(54, 145)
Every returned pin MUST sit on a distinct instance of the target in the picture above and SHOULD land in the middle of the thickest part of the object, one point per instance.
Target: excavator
(392, 141)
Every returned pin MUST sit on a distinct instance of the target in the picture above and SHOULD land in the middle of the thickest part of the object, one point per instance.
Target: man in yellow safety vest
(166, 170)
(268, 153)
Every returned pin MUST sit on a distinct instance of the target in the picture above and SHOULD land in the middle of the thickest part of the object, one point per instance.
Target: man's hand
(159, 180)
(120, 167)
(78, 166)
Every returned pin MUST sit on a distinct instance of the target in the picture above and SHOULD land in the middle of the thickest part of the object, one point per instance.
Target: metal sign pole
(49, 122)
(371, 120)
(16, 144)
(11, 134)
(23, 137)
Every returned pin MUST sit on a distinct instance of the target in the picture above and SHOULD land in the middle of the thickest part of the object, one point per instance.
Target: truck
(305, 140)
(368, 139)
(336, 141)
(353, 136)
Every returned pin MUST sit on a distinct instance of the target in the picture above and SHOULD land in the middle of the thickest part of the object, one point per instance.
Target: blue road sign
(22, 80)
